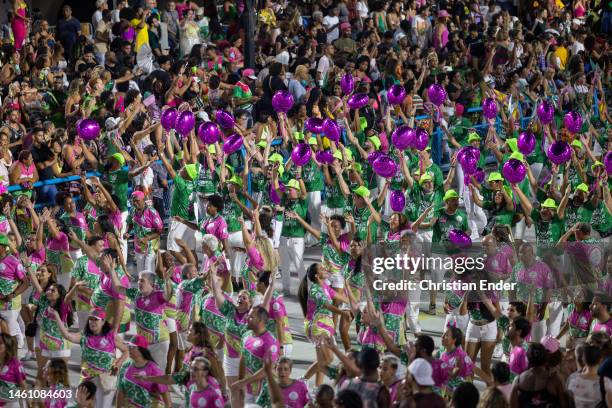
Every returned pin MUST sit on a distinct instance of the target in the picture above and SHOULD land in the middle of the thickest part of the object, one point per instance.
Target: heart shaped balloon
(437, 94)
(168, 118)
(301, 154)
(347, 83)
(403, 137)
(274, 197)
(573, 122)
(324, 157)
(224, 119)
(396, 94)
(232, 144)
(526, 142)
(331, 130)
(559, 152)
(514, 171)
(489, 108)
(397, 199)
(358, 101)
(384, 166)
(209, 133)
(282, 101)
(314, 125)
(185, 123)
(373, 156)
(459, 238)
(422, 139)
(88, 129)
(608, 163)
(546, 112)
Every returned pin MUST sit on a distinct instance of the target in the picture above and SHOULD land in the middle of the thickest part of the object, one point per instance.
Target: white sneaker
(28, 356)
(498, 351)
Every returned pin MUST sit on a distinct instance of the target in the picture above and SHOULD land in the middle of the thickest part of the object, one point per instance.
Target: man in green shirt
(313, 180)
(292, 235)
(361, 210)
(182, 205)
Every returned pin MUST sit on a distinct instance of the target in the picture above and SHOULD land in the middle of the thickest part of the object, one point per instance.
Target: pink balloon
(282, 101)
(347, 83)
(459, 238)
(437, 94)
(331, 130)
(573, 122)
(397, 200)
(403, 137)
(396, 94)
(422, 139)
(232, 144)
(384, 166)
(526, 142)
(301, 154)
(168, 118)
(272, 192)
(489, 108)
(314, 125)
(358, 101)
(185, 123)
(224, 119)
(559, 152)
(546, 112)
(324, 157)
(608, 162)
(88, 129)
(514, 171)
(209, 133)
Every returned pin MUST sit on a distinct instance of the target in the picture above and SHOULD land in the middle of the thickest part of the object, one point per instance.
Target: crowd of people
(167, 254)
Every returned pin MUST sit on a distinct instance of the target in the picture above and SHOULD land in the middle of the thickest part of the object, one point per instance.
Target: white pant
(180, 231)
(477, 334)
(477, 219)
(314, 209)
(159, 351)
(12, 317)
(519, 229)
(555, 316)
(292, 260)
(412, 310)
(287, 350)
(145, 262)
(76, 254)
(236, 257)
(123, 241)
(103, 398)
(277, 227)
(538, 330)
(231, 366)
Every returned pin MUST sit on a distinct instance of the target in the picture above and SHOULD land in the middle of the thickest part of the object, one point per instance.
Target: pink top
(605, 327)
(12, 373)
(296, 394)
(456, 358)
(499, 264)
(215, 226)
(59, 243)
(538, 275)
(518, 359)
(255, 349)
(116, 220)
(106, 284)
(254, 259)
(38, 257)
(208, 397)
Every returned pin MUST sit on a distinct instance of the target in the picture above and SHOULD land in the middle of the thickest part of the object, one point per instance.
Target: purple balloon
(514, 171)
(608, 163)
(546, 112)
(526, 142)
(282, 101)
(209, 132)
(358, 101)
(373, 156)
(168, 118)
(272, 192)
(468, 162)
(314, 125)
(301, 154)
(479, 175)
(459, 238)
(347, 83)
(422, 139)
(324, 156)
(384, 166)
(489, 108)
(437, 94)
(403, 137)
(559, 152)
(224, 119)
(573, 122)
(331, 130)
(88, 129)
(185, 123)
(397, 200)
(129, 34)
(396, 94)
(232, 144)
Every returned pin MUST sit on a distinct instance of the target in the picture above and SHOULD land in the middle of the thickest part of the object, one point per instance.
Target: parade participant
(12, 376)
(147, 227)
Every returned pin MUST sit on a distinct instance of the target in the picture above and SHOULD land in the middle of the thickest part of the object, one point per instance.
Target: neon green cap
(363, 123)
(312, 141)
(119, 157)
(362, 191)
(236, 180)
(192, 171)
(375, 140)
(549, 203)
(597, 163)
(262, 144)
(582, 187)
(577, 143)
(495, 176)
(473, 136)
(357, 167)
(298, 135)
(450, 194)
(212, 149)
(517, 155)
(293, 183)
(424, 178)
(338, 155)
(513, 144)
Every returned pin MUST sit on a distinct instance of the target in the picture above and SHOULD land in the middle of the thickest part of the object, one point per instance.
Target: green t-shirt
(239, 93)
(446, 222)
(313, 177)
(420, 200)
(118, 180)
(182, 199)
(207, 180)
(334, 197)
(292, 227)
(496, 216)
(547, 232)
(361, 216)
(459, 129)
(232, 211)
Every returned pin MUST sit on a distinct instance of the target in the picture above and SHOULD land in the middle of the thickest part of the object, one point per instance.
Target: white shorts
(477, 334)
(336, 280)
(170, 324)
(183, 344)
(12, 317)
(25, 296)
(287, 350)
(180, 231)
(55, 353)
(231, 366)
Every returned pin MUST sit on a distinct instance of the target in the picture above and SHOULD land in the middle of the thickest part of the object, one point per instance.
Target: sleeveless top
(537, 399)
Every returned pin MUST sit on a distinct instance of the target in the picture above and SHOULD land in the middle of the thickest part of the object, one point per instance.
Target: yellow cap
(212, 149)
(450, 194)
(192, 171)
(495, 176)
(513, 143)
(262, 144)
(338, 155)
(425, 177)
(362, 191)
(577, 143)
(517, 156)
(473, 136)
(582, 187)
(375, 140)
(236, 180)
(119, 157)
(293, 183)
(549, 203)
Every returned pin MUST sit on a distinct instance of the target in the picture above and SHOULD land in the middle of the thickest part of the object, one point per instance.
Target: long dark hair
(61, 290)
(106, 328)
(311, 275)
(203, 337)
(146, 354)
(357, 269)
